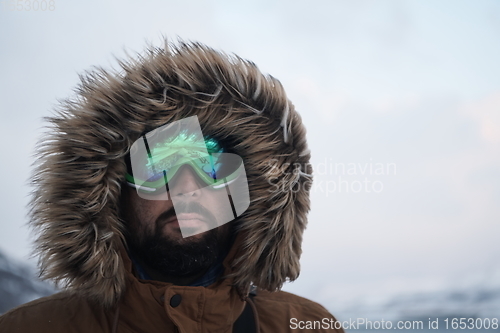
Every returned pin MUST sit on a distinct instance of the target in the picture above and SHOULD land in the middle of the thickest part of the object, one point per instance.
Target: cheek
(140, 214)
(146, 212)
(218, 204)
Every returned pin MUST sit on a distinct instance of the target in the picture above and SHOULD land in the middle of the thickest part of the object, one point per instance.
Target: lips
(187, 220)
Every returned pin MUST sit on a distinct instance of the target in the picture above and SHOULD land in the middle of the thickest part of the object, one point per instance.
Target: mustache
(182, 207)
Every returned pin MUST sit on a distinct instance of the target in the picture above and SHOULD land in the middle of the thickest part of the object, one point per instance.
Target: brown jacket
(152, 306)
(81, 168)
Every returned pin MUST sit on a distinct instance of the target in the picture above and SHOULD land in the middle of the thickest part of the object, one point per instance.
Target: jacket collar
(189, 308)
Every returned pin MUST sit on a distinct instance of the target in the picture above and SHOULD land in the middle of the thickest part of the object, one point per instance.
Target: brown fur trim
(80, 166)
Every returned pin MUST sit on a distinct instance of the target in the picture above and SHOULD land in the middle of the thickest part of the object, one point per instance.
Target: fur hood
(80, 166)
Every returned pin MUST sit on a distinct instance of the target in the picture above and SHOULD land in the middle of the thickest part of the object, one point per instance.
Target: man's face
(154, 226)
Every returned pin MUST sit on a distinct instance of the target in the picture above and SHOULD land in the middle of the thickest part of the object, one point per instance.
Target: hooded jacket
(80, 171)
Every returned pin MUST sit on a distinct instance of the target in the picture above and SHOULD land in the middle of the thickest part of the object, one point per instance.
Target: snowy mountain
(19, 284)
(479, 304)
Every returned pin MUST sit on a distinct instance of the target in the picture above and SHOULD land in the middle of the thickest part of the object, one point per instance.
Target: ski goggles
(217, 170)
(157, 156)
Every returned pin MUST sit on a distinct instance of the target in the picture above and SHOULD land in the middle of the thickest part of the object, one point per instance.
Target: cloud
(486, 112)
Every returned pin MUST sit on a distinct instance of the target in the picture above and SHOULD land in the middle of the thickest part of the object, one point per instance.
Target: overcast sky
(401, 100)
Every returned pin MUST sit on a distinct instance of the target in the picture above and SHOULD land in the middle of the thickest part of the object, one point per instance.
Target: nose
(185, 184)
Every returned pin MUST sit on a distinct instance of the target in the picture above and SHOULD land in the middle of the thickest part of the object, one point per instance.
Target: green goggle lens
(215, 170)
(156, 157)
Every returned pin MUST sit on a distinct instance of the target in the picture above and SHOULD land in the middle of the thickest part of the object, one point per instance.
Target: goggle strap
(230, 198)
(150, 156)
(147, 146)
(223, 184)
(166, 184)
(144, 188)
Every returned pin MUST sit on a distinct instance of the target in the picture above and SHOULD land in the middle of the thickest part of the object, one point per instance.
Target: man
(172, 197)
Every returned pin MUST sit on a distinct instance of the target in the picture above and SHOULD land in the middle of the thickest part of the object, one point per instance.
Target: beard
(177, 256)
